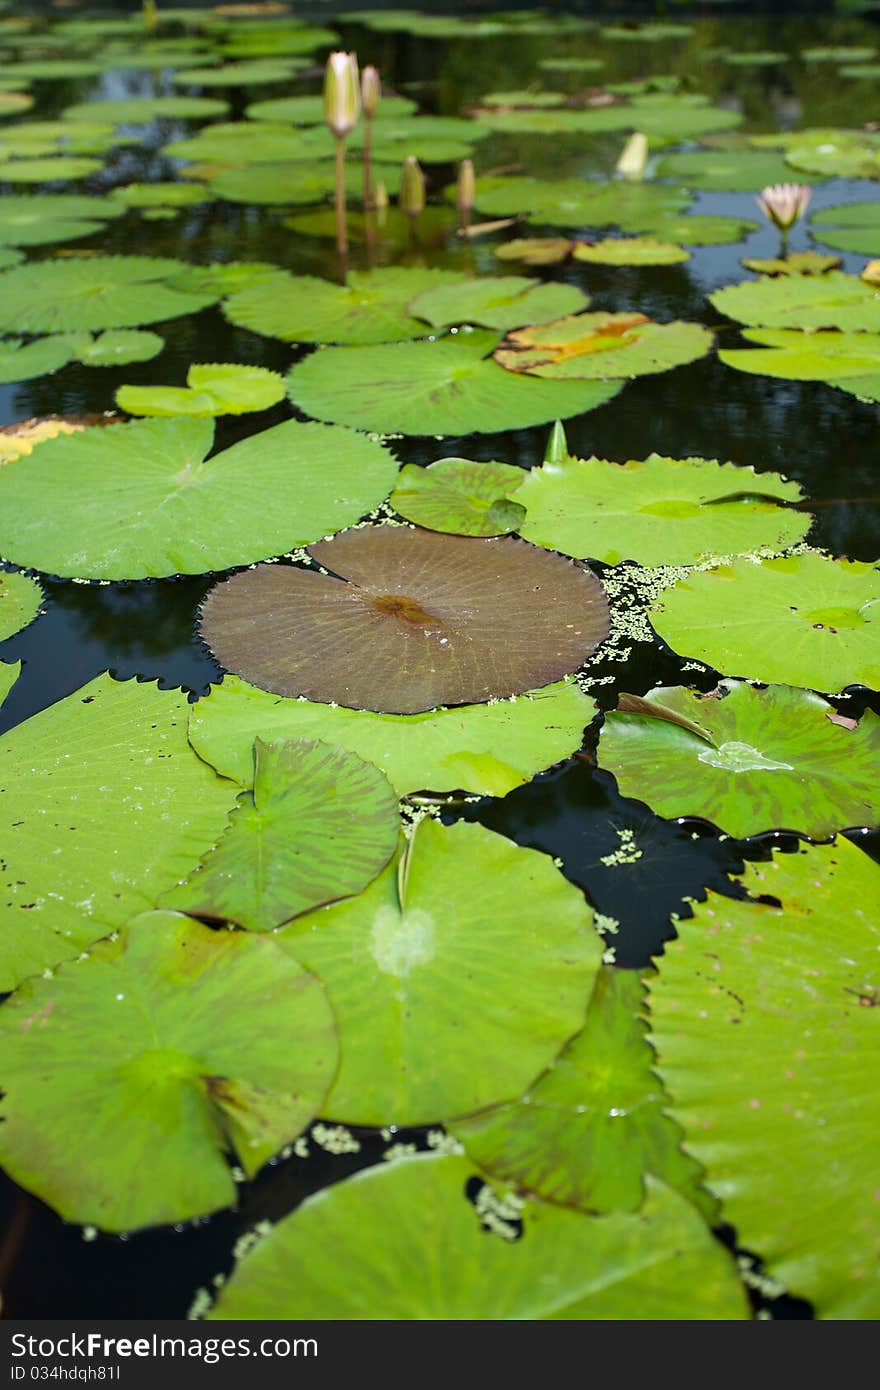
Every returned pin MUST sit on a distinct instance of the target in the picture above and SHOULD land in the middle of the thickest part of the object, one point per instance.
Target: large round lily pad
(488, 749)
(497, 301)
(736, 171)
(180, 1045)
(589, 1131)
(460, 496)
(657, 510)
(800, 620)
(407, 620)
(849, 227)
(103, 806)
(50, 169)
(750, 760)
(20, 361)
(630, 250)
(41, 218)
(144, 499)
(213, 388)
(402, 1241)
(451, 386)
(91, 292)
(371, 308)
(835, 300)
(310, 110)
(579, 203)
(142, 110)
(455, 977)
(319, 825)
(20, 599)
(786, 1133)
(602, 347)
(849, 361)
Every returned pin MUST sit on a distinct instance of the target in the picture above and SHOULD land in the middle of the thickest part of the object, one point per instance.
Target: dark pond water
(824, 439)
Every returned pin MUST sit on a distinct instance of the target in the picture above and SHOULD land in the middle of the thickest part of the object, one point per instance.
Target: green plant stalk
(368, 162)
(341, 231)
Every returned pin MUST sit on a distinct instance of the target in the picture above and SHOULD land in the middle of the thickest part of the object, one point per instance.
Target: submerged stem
(341, 234)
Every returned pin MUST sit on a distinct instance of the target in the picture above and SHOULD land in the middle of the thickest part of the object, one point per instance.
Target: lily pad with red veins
(407, 620)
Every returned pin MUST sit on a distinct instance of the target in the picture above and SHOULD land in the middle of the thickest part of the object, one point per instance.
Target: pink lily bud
(342, 97)
(783, 204)
(371, 90)
(412, 187)
(465, 189)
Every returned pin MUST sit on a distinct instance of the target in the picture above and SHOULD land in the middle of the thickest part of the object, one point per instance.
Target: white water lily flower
(784, 203)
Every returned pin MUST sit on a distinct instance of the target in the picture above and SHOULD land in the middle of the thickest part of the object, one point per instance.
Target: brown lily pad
(407, 620)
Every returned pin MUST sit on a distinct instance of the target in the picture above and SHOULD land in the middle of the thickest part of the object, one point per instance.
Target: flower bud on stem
(412, 192)
(371, 91)
(465, 190)
(341, 109)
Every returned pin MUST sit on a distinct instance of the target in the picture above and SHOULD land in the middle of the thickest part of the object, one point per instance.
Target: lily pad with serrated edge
(497, 301)
(799, 263)
(20, 361)
(786, 1135)
(143, 110)
(373, 307)
(630, 251)
(183, 1045)
(41, 218)
(488, 749)
(117, 346)
(91, 839)
(407, 620)
(799, 620)
(429, 1026)
(23, 436)
(221, 278)
(450, 386)
(847, 159)
(768, 759)
(849, 227)
(602, 347)
(579, 203)
(213, 389)
(702, 229)
(93, 292)
(536, 250)
(9, 674)
(20, 599)
(835, 300)
(734, 171)
(589, 1131)
(153, 195)
(460, 496)
(319, 825)
(657, 510)
(144, 500)
(402, 1240)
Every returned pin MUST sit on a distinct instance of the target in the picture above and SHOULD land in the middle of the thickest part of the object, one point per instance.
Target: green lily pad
(835, 300)
(182, 1045)
(536, 250)
(702, 229)
(92, 292)
(860, 72)
(602, 347)
(578, 203)
(488, 749)
(837, 53)
(737, 171)
(662, 116)
(657, 31)
(286, 185)
(590, 1130)
(402, 1241)
(13, 103)
(117, 347)
(172, 510)
(630, 251)
(246, 73)
(246, 142)
(9, 674)
(446, 387)
(9, 257)
(850, 361)
(849, 227)
(153, 195)
(20, 600)
(767, 759)
(143, 110)
(798, 263)
(571, 64)
(221, 278)
(658, 511)
(424, 1037)
(277, 41)
(801, 620)
(856, 158)
(103, 806)
(460, 496)
(497, 301)
(785, 1134)
(371, 308)
(213, 389)
(20, 361)
(754, 58)
(50, 169)
(398, 620)
(38, 219)
(52, 69)
(319, 825)
(390, 237)
(310, 110)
